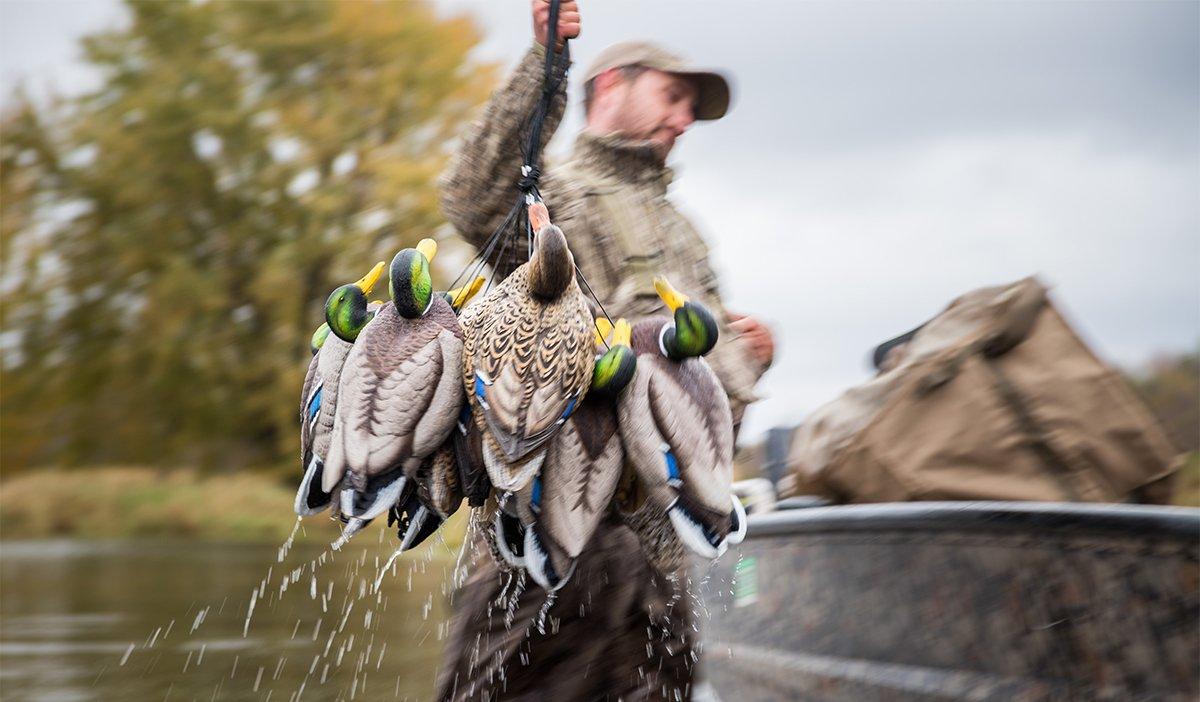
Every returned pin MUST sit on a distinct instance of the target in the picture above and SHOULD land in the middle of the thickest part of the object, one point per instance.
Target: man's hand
(758, 337)
(568, 21)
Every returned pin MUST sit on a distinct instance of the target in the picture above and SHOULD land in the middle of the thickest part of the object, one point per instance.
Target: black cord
(527, 184)
(555, 72)
(603, 311)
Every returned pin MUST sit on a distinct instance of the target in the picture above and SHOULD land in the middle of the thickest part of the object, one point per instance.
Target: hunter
(611, 200)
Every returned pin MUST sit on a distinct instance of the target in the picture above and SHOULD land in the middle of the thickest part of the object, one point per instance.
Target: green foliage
(1187, 484)
(1171, 387)
(168, 240)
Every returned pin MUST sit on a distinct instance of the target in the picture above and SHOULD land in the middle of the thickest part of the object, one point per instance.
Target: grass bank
(127, 502)
(130, 502)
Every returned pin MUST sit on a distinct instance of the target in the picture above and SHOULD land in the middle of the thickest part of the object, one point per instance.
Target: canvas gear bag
(995, 399)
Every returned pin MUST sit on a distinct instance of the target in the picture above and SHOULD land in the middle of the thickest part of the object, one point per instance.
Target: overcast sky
(883, 158)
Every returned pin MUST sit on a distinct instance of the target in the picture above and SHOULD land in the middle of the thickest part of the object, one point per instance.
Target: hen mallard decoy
(558, 512)
(399, 395)
(348, 309)
(527, 357)
(677, 429)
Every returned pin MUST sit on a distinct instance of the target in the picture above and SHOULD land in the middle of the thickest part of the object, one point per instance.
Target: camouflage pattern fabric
(616, 630)
(620, 628)
(610, 199)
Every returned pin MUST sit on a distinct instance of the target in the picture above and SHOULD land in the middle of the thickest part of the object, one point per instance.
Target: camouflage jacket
(610, 199)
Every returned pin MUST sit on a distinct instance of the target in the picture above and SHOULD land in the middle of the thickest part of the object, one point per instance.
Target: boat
(957, 601)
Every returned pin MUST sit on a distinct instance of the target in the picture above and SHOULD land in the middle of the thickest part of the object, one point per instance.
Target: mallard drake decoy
(453, 471)
(434, 493)
(579, 476)
(400, 392)
(675, 421)
(319, 397)
(527, 357)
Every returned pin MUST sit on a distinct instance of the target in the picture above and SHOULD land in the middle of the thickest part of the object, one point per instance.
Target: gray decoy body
(677, 430)
(399, 396)
(434, 492)
(318, 406)
(563, 506)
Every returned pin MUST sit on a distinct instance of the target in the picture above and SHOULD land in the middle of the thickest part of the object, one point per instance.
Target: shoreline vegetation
(140, 502)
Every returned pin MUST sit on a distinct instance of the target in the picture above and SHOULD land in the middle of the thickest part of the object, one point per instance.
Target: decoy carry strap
(494, 249)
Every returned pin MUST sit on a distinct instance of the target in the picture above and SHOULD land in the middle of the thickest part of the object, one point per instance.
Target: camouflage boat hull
(959, 601)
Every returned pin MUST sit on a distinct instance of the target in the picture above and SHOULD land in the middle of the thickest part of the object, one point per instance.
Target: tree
(1170, 385)
(168, 240)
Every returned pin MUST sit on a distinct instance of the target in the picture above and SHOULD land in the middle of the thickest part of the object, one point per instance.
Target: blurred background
(182, 184)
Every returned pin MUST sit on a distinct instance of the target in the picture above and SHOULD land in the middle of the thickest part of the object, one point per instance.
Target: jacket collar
(617, 158)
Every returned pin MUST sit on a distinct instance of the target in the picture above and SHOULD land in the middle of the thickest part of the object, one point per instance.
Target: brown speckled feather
(538, 358)
(399, 395)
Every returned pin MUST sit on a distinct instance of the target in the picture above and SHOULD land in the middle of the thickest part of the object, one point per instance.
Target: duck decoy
(434, 493)
(527, 357)
(399, 395)
(561, 508)
(348, 309)
(677, 429)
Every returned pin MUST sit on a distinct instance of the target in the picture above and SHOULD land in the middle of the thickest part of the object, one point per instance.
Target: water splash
(286, 547)
(249, 612)
(386, 566)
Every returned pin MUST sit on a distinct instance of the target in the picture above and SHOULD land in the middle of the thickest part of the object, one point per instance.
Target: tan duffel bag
(994, 399)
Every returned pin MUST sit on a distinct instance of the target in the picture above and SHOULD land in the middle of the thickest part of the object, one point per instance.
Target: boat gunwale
(1059, 517)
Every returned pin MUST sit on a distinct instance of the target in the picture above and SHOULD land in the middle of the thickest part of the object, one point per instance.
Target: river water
(167, 620)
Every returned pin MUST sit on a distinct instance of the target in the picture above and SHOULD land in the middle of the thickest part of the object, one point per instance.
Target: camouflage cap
(712, 89)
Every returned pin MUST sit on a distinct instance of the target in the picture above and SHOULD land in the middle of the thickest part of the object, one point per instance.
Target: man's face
(655, 106)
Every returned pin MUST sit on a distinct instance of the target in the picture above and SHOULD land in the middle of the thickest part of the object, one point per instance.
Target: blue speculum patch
(314, 405)
(536, 500)
(672, 465)
(570, 408)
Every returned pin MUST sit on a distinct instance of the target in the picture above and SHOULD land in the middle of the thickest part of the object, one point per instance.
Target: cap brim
(712, 93)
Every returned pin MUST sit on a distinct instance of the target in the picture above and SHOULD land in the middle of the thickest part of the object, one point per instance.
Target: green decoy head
(318, 338)
(410, 282)
(695, 330)
(346, 309)
(616, 367)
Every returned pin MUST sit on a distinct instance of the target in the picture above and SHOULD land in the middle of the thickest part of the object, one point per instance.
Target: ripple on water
(72, 611)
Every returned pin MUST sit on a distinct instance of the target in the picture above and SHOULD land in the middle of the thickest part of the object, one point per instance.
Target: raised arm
(479, 187)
